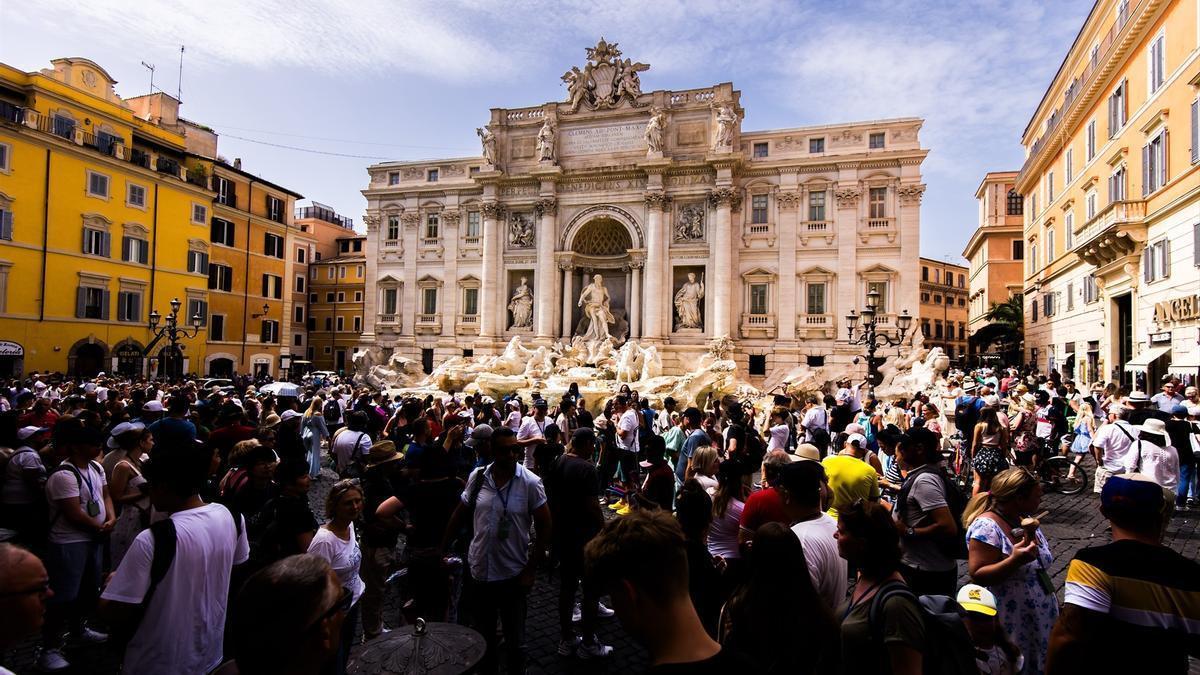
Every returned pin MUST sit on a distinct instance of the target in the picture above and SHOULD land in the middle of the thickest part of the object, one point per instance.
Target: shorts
(628, 461)
(1102, 476)
(988, 461)
(74, 570)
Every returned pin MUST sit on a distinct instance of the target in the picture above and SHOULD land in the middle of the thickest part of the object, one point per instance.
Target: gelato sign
(597, 140)
(1178, 310)
(8, 348)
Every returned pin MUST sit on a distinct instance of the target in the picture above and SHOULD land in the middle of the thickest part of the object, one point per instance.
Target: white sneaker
(52, 661)
(595, 650)
(91, 637)
(567, 647)
(603, 611)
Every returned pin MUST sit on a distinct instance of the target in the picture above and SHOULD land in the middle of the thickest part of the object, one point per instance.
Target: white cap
(152, 406)
(857, 438)
(122, 428)
(288, 414)
(25, 432)
(976, 598)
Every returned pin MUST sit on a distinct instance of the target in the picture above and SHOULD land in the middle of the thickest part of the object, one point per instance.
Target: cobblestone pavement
(1074, 522)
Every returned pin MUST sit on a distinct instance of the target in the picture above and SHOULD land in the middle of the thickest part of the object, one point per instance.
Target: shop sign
(1160, 338)
(8, 348)
(1178, 310)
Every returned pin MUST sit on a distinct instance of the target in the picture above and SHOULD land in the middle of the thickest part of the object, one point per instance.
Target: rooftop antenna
(150, 67)
(179, 86)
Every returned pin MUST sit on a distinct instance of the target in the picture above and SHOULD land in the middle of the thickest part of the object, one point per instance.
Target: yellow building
(315, 237)
(1112, 200)
(944, 307)
(103, 218)
(250, 312)
(996, 251)
(337, 288)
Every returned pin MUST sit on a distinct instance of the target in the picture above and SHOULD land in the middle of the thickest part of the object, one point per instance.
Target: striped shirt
(1150, 596)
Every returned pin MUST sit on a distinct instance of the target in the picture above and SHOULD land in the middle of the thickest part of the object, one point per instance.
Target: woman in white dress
(336, 543)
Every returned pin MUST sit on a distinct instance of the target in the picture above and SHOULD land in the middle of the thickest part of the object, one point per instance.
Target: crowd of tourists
(824, 534)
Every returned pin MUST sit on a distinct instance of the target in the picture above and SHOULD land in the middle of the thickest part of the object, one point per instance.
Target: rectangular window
(757, 365)
(341, 271)
(135, 195)
(312, 298)
(758, 298)
(273, 245)
(877, 202)
(332, 271)
(815, 301)
(389, 301)
(472, 224)
(220, 277)
(270, 331)
(875, 140)
(5, 154)
(129, 306)
(393, 227)
(91, 303)
(429, 301)
(393, 178)
(216, 327)
(760, 150)
(1049, 245)
(301, 255)
(924, 273)
(199, 214)
(6, 224)
(1157, 66)
(274, 209)
(1196, 244)
(97, 185)
(298, 314)
(225, 191)
(1033, 258)
(1090, 140)
(1117, 189)
(937, 299)
(95, 242)
(341, 323)
(197, 262)
(880, 287)
(299, 283)
(816, 145)
(329, 297)
(432, 176)
(272, 286)
(937, 329)
(135, 250)
(758, 209)
(358, 324)
(358, 296)
(1118, 109)
(1089, 204)
(197, 307)
(1156, 261)
(358, 272)
(341, 296)
(816, 205)
(1154, 163)
(1049, 187)
(223, 232)
(1068, 169)
(470, 301)
(328, 324)
(432, 223)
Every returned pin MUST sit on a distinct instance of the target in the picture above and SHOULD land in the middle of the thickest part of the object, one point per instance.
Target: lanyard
(86, 478)
(861, 598)
(504, 493)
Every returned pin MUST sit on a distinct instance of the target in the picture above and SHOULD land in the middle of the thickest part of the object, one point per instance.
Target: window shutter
(278, 288)
(80, 301)
(1147, 265)
(1195, 131)
(136, 309)
(1164, 159)
(264, 286)
(1165, 258)
(126, 244)
(1196, 244)
(6, 225)
(143, 251)
(1145, 169)
(203, 262)
(104, 303)
(203, 312)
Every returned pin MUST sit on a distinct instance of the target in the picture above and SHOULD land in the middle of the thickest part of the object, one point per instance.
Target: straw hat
(383, 452)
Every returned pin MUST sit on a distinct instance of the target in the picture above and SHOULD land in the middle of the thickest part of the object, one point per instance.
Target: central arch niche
(602, 237)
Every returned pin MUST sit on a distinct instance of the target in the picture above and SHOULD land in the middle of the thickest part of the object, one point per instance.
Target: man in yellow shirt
(850, 478)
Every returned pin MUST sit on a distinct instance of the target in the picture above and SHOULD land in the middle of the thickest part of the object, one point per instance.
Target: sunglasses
(342, 605)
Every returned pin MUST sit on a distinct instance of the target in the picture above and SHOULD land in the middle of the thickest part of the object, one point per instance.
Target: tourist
(231, 429)
(803, 487)
(1083, 431)
(868, 540)
(703, 468)
(1026, 444)
(990, 448)
(1010, 556)
(695, 438)
(128, 486)
(1126, 607)
(568, 418)
(889, 440)
(505, 504)
(626, 423)
(382, 479)
(995, 653)
(313, 431)
(549, 450)
(336, 544)
(1185, 438)
(928, 528)
(289, 618)
(22, 494)
(693, 511)
(249, 485)
(815, 420)
(1153, 455)
(658, 489)
(189, 598)
(351, 446)
(1143, 409)
(287, 524)
(81, 515)
(1112, 443)
(573, 488)
(1168, 398)
(24, 589)
(641, 562)
(779, 431)
(776, 617)
(850, 479)
(733, 487)
(765, 505)
(175, 428)
(532, 431)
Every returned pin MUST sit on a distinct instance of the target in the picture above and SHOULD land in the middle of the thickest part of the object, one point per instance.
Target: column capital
(657, 199)
(911, 195)
(372, 221)
(847, 197)
(725, 196)
(450, 218)
(493, 210)
(788, 199)
(410, 219)
(546, 206)
(566, 266)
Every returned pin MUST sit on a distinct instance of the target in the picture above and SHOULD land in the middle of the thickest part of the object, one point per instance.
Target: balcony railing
(473, 241)
(1116, 213)
(11, 113)
(758, 325)
(229, 200)
(387, 318)
(816, 320)
(817, 226)
(879, 224)
(430, 242)
(326, 214)
(429, 318)
(139, 157)
(391, 243)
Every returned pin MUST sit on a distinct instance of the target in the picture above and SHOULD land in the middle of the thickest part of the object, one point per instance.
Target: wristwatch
(909, 532)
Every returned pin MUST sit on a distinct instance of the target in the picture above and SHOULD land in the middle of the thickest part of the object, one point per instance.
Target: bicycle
(1062, 474)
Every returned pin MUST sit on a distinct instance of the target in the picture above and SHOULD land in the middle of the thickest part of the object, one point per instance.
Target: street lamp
(871, 337)
(171, 331)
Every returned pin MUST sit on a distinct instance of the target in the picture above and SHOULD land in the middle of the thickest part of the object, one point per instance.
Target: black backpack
(948, 647)
(332, 412)
(954, 547)
(966, 415)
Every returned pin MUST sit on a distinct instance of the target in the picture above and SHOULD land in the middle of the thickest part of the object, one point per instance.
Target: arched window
(1016, 206)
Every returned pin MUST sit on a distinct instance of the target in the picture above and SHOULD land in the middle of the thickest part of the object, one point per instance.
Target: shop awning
(1185, 364)
(1142, 361)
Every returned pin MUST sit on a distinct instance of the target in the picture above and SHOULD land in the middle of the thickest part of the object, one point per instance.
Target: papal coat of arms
(605, 80)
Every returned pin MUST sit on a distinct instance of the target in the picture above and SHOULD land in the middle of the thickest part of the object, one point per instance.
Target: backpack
(6, 455)
(332, 412)
(966, 415)
(954, 547)
(948, 647)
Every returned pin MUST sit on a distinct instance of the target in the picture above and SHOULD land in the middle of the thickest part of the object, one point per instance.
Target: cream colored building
(787, 229)
(1113, 199)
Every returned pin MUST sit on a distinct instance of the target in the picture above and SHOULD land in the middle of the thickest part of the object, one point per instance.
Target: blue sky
(410, 80)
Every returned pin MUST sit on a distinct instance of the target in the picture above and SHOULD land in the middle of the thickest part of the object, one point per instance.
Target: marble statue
(629, 359)
(595, 303)
(605, 80)
(654, 131)
(687, 303)
(578, 89)
(726, 121)
(628, 83)
(488, 140)
(690, 226)
(521, 306)
(520, 231)
(545, 141)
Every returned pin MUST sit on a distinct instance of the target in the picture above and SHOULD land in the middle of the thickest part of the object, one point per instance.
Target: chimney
(237, 163)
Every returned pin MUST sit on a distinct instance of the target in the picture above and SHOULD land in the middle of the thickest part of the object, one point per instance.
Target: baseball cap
(1133, 494)
(541, 403)
(288, 415)
(857, 438)
(976, 598)
(25, 432)
(481, 432)
(1179, 409)
(120, 429)
(152, 406)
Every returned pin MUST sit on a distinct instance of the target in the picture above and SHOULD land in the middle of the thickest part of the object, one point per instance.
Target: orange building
(337, 288)
(944, 306)
(996, 251)
(314, 237)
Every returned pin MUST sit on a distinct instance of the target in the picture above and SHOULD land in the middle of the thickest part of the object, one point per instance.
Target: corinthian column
(635, 300)
(655, 265)
(544, 281)
(568, 293)
(721, 284)
(491, 308)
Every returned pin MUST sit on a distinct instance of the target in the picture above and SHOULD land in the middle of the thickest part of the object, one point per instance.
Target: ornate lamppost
(872, 338)
(172, 332)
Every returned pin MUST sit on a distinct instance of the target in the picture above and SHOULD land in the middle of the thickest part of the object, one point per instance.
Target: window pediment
(136, 230)
(758, 275)
(96, 221)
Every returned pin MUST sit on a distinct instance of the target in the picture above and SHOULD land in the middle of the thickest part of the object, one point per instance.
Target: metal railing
(12, 113)
(327, 215)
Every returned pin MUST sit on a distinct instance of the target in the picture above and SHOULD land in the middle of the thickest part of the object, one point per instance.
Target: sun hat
(1154, 425)
(121, 429)
(383, 452)
(976, 598)
(807, 451)
(1137, 397)
(970, 385)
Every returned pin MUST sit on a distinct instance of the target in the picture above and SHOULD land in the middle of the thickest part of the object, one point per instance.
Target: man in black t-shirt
(573, 490)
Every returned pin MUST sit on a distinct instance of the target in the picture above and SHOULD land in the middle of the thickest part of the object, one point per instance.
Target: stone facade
(781, 231)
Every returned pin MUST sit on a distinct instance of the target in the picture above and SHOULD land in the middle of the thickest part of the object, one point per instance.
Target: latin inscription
(596, 140)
